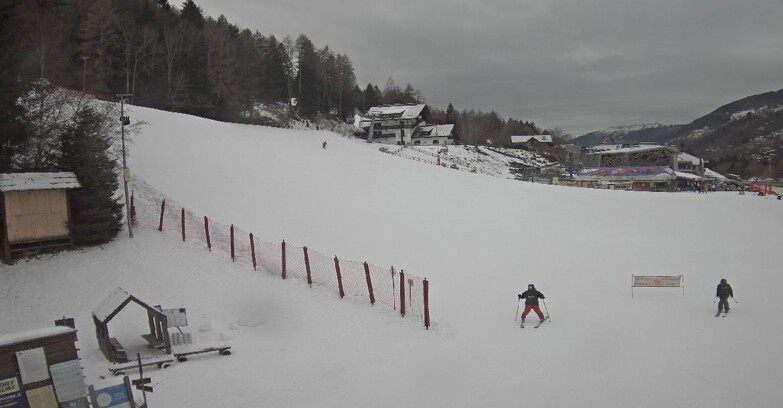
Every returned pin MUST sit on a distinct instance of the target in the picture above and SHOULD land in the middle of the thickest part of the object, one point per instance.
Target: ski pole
(517, 313)
(547, 310)
(735, 300)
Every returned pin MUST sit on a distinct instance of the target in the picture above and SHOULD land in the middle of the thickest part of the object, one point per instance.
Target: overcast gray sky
(582, 65)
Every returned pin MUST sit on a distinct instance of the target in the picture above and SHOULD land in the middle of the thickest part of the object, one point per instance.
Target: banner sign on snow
(657, 281)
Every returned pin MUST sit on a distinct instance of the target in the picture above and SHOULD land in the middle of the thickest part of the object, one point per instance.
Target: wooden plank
(33, 215)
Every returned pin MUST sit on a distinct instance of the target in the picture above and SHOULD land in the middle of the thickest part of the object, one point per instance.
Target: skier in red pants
(531, 296)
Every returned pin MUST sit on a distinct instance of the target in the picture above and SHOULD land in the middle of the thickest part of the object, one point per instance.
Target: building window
(435, 141)
(417, 142)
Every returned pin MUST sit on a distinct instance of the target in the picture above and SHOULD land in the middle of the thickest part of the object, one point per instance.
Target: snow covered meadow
(479, 240)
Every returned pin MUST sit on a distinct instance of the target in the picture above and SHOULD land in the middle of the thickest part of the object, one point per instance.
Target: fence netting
(152, 210)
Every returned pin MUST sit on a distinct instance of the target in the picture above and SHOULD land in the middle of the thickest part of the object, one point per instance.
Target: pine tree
(96, 213)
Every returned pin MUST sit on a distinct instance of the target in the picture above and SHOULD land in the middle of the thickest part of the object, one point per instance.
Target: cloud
(580, 65)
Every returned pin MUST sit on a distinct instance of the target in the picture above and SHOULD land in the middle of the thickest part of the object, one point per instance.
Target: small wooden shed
(34, 211)
(158, 336)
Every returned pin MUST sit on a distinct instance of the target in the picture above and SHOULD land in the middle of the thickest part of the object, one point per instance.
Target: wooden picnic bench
(118, 351)
(153, 341)
(161, 362)
(222, 350)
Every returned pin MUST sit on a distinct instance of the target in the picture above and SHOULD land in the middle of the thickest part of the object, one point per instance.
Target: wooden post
(426, 304)
(283, 260)
(402, 292)
(162, 209)
(307, 266)
(369, 283)
(182, 217)
(253, 250)
(394, 289)
(339, 277)
(232, 243)
(206, 231)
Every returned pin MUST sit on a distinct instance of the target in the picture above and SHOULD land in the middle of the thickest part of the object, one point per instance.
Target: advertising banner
(114, 396)
(11, 395)
(657, 281)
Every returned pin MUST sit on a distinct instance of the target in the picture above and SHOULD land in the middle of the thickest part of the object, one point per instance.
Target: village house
(402, 125)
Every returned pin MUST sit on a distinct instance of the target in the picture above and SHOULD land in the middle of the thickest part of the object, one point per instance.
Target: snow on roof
(437, 130)
(14, 338)
(639, 173)
(685, 157)
(38, 181)
(636, 149)
(715, 174)
(688, 176)
(110, 304)
(525, 139)
(397, 111)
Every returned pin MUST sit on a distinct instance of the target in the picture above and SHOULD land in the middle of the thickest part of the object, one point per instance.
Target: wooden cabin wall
(36, 215)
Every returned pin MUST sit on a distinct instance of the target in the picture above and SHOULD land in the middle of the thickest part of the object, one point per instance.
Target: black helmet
(723, 281)
(531, 286)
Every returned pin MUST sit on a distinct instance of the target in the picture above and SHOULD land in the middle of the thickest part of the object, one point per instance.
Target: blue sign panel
(114, 396)
(11, 395)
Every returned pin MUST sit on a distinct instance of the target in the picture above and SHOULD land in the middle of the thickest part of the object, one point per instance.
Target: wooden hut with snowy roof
(34, 211)
(158, 336)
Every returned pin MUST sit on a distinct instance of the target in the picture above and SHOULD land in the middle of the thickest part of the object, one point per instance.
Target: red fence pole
(206, 231)
(369, 283)
(182, 217)
(162, 208)
(134, 221)
(402, 293)
(307, 266)
(339, 277)
(283, 259)
(232, 242)
(426, 304)
(253, 250)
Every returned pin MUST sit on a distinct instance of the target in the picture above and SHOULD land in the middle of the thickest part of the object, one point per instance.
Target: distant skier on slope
(723, 292)
(531, 296)
(323, 145)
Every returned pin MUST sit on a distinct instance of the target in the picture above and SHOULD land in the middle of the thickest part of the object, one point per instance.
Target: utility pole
(84, 73)
(125, 120)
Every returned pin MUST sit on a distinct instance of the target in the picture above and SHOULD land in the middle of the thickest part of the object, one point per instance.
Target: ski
(541, 322)
(717, 314)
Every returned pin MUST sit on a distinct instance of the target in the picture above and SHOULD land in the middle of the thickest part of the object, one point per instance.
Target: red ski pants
(535, 308)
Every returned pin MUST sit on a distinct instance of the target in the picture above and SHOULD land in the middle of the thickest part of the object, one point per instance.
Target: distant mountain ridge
(650, 132)
(743, 137)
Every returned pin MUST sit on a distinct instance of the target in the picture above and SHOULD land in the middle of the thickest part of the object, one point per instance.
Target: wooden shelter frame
(158, 323)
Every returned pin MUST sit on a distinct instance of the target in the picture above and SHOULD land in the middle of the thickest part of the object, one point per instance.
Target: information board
(68, 381)
(176, 317)
(41, 397)
(32, 365)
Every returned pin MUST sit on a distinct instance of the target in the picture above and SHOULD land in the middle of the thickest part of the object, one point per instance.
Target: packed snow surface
(478, 239)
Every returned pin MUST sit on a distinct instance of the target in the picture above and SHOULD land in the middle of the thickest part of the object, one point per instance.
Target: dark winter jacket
(531, 296)
(724, 291)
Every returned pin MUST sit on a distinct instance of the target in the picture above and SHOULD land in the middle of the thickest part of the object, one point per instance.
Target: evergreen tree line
(173, 59)
(179, 60)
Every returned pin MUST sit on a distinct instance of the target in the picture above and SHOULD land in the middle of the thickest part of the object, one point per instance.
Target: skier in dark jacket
(531, 296)
(723, 292)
